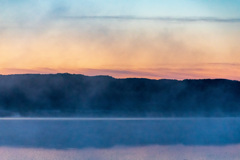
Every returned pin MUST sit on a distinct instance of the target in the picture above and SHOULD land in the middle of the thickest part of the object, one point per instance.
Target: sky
(173, 39)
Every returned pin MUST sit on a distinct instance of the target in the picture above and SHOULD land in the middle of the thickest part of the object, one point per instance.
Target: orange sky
(129, 47)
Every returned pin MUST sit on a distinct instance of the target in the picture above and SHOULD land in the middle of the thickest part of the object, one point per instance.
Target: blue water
(108, 132)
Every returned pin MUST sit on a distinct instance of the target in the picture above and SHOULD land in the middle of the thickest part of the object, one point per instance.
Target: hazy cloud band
(167, 19)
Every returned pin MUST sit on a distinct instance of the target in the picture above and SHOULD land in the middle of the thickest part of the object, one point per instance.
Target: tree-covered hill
(79, 95)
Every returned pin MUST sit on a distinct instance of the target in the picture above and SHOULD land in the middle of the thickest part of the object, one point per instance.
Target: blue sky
(176, 8)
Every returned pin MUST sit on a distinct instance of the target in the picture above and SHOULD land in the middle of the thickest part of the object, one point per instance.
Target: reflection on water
(105, 133)
(166, 152)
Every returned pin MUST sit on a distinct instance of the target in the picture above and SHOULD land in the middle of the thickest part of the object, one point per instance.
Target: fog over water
(106, 133)
(119, 138)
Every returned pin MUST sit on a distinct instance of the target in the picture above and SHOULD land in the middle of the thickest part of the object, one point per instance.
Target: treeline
(79, 95)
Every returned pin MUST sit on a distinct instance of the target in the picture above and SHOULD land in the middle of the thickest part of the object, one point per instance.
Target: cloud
(164, 19)
(224, 64)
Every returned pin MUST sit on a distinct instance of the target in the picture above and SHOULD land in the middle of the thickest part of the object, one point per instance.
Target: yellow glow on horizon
(125, 51)
(179, 71)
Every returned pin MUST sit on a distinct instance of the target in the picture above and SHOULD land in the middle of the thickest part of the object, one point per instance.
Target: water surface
(65, 133)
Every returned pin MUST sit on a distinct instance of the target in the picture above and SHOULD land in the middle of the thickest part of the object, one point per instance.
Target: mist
(60, 95)
(66, 134)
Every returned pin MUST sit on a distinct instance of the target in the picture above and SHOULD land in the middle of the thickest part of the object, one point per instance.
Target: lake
(117, 138)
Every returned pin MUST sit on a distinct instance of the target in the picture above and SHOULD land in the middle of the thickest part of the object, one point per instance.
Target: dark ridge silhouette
(79, 95)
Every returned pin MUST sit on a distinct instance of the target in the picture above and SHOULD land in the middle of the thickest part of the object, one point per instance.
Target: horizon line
(62, 73)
